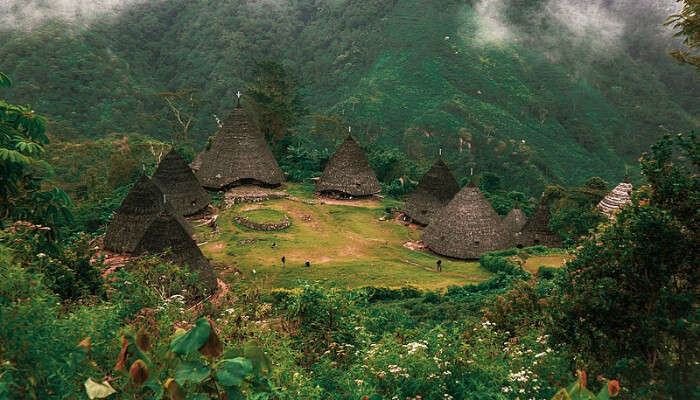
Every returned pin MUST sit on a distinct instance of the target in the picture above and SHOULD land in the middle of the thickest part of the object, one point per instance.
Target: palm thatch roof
(536, 230)
(177, 181)
(349, 173)
(141, 206)
(466, 227)
(617, 198)
(238, 154)
(435, 189)
(515, 220)
(166, 234)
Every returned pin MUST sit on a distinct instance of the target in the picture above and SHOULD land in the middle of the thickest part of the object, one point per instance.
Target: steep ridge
(406, 73)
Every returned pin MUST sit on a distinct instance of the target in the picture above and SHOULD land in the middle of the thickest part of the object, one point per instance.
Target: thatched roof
(140, 207)
(466, 227)
(238, 154)
(536, 230)
(514, 221)
(437, 187)
(349, 172)
(167, 232)
(619, 197)
(177, 181)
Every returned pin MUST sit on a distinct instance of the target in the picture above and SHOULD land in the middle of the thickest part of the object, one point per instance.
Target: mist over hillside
(29, 14)
(544, 91)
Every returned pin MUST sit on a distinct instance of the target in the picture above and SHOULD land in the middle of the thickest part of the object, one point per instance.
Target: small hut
(167, 235)
(466, 227)
(514, 221)
(238, 155)
(435, 189)
(616, 199)
(536, 230)
(182, 189)
(348, 173)
(141, 206)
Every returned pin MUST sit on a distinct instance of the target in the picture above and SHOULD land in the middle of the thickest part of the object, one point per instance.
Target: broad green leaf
(562, 395)
(14, 156)
(157, 389)
(199, 396)
(235, 393)
(193, 371)
(233, 372)
(98, 390)
(604, 393)
(261, 362)
(5, 80)
(192, 340)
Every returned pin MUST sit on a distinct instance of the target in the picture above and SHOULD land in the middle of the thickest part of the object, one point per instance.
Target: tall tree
(22, 140)
(688, 24)
(276, 100)
(184, 107)
(627, 304)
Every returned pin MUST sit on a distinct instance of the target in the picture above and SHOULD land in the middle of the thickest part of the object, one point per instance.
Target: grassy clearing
(263, 215)
(533, 263)
(346, 245)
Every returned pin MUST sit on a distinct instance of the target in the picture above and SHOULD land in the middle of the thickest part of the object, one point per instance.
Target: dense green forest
(545, 106)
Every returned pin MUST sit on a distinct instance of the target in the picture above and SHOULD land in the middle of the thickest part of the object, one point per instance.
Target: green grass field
(346, 245)
(263, 215)
(533, 263)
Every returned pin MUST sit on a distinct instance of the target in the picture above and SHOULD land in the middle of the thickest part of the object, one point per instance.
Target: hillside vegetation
(321, 298)
(408, 75)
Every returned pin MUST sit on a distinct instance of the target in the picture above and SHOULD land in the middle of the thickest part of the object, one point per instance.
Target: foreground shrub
(627, 302)
(192, 365)
(66, 266)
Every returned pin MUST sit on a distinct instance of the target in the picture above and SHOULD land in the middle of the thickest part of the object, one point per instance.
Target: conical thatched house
(466, 227)
(167, 233)
(139, 209)
(619, 197)
(536, 230)
(437, 187)
(238, 155)
(348, 173)
(514, 221)
(177, 181)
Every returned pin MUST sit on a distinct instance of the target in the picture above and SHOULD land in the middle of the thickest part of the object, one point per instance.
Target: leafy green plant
(22, 192)
(636, 282)
(66, 265)
(193, 366)
(579, 391)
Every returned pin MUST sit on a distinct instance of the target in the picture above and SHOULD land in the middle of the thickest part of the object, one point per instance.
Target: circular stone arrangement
(263, 219)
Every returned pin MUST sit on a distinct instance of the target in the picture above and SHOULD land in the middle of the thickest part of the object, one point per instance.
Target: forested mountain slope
(510, 86)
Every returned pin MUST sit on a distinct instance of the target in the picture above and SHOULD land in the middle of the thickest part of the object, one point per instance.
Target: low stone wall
(275, 226)
(252, 194)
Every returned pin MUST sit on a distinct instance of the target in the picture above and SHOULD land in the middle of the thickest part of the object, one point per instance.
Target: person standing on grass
(439, 265)
(284, 260)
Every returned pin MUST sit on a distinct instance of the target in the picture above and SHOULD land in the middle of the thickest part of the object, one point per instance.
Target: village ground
(348, 244)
